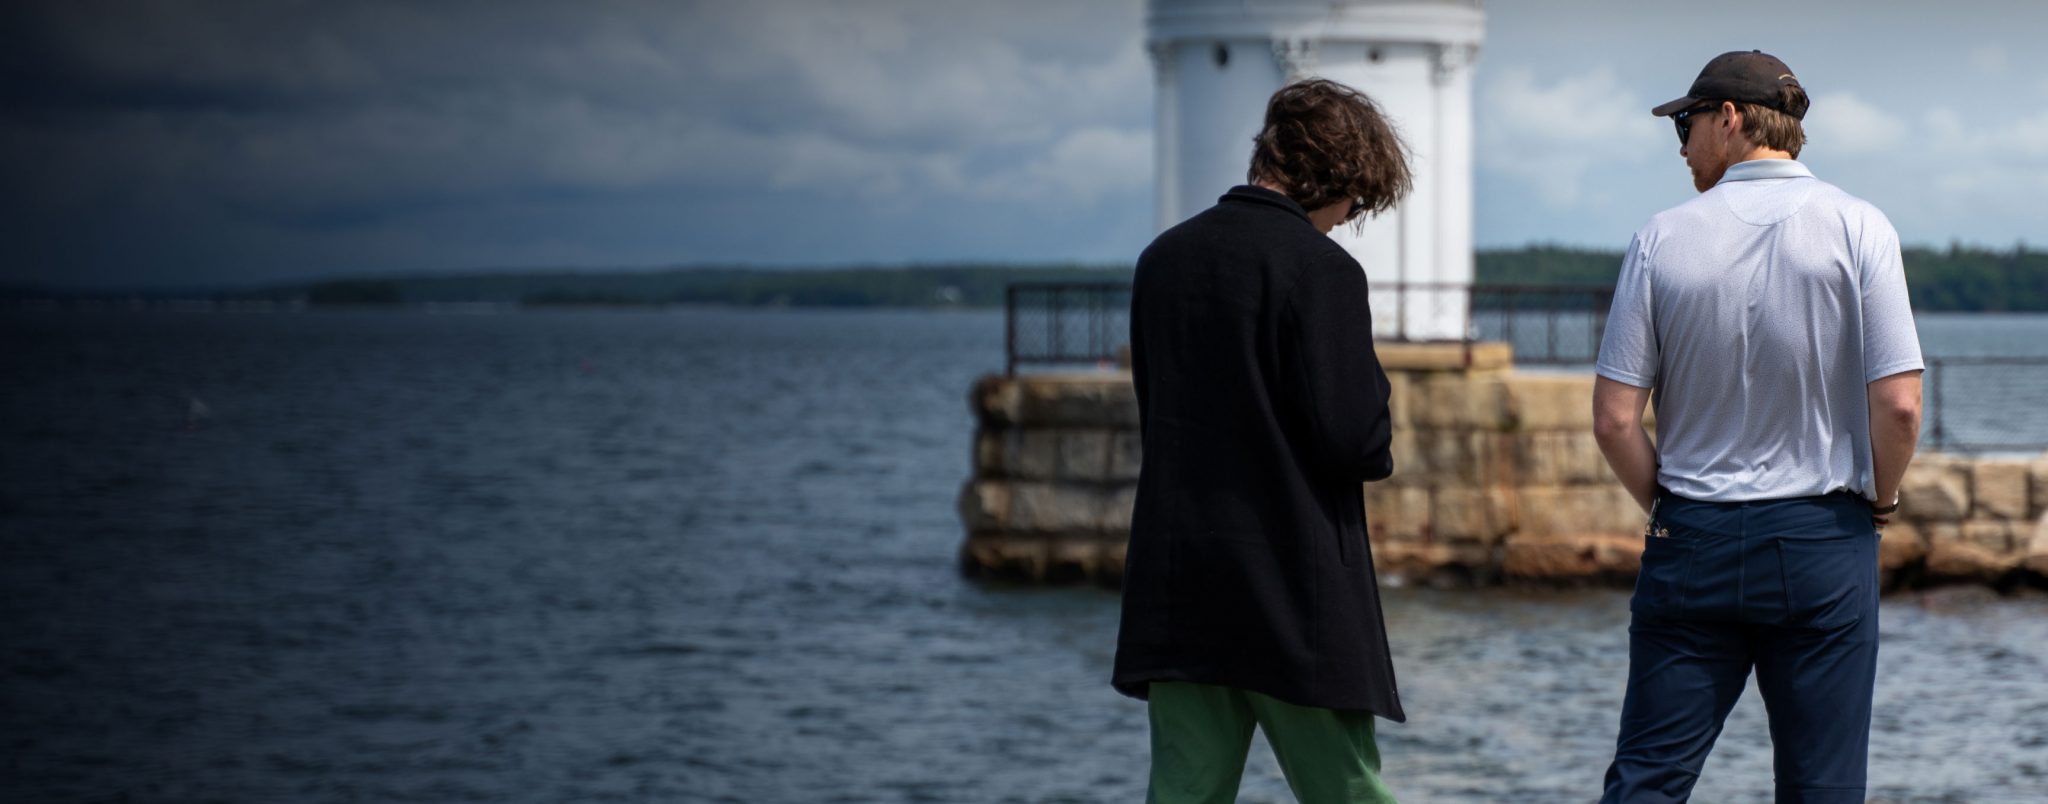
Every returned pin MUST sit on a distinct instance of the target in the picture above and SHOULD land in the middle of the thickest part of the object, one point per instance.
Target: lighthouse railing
(1087, 323)
(1065, 323)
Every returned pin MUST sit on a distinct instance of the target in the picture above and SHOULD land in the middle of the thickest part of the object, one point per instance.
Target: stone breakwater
(1497, 479)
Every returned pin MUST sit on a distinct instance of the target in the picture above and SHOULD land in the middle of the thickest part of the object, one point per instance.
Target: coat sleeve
(1337, 385)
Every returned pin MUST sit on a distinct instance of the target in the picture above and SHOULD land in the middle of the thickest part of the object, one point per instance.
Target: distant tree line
(1975, 279)
(1956, 279)
(1547, 265)
(969, 285)
(353, 291)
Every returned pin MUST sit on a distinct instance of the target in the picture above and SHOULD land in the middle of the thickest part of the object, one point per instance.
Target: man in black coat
(1249, 595)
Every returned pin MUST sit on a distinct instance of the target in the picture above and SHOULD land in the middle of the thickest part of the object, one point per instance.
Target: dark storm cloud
(232, 141)
(179, 143)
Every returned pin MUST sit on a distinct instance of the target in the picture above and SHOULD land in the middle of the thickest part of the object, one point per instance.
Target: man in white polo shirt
(1769, 317)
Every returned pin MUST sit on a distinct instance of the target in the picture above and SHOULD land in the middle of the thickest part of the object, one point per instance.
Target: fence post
(1550, 326)
(1507, 317)
(1603, 303)
(1098, 327)
(1467, 332)
(1010, 331)
(1056, 313)
(1940, 437)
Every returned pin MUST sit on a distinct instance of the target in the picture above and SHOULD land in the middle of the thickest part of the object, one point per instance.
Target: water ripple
(698, 556)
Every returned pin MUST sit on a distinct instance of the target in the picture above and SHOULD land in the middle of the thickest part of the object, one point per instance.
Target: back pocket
(1830, 582)
(1661, 582)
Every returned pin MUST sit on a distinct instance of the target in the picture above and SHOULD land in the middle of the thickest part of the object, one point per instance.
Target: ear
(1731, 116)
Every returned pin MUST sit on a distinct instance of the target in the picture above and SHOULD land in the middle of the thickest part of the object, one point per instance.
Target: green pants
(1201, 734)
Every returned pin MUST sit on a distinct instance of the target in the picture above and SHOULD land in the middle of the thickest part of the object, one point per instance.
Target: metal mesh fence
(1985, 404)
(1085, 323)
(1973, 404)
(1051, 324)
(1420, 311)
(1545, 325)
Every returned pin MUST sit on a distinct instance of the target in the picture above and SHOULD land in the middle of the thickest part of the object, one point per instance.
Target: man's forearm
(1618, 426)
(1894, 431)
(1890, 454)
(1634, 461)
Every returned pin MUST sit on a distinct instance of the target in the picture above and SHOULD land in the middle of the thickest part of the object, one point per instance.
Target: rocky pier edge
(1497, 480)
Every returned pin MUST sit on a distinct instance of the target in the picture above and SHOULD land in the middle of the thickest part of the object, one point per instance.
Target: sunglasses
(1358, 206)
(1679, 120)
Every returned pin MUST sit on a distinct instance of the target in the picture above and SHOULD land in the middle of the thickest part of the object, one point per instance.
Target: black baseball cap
(1747, 76)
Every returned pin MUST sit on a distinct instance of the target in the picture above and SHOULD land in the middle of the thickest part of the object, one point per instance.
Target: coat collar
(1253, 194)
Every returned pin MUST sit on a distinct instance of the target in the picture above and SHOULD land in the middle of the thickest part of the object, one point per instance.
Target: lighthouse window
(1222, 54)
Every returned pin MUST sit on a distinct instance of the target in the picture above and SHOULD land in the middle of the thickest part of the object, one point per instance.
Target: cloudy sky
(178, 144)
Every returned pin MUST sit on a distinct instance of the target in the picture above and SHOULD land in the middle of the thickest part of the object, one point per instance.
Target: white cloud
(1552, 135)
(1953, 175)
(1981, 171)
(2024, 139)
(830, 166)
(929, 72)
(1084, 165)
(2016, 143)
(1844, 123)
(932, 98)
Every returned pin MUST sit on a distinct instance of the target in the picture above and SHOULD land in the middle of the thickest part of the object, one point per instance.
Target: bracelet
(1888, 509)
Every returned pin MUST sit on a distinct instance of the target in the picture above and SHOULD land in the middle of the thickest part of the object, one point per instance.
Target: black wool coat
(1263, 409)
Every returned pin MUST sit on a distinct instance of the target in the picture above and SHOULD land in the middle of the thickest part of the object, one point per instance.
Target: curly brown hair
(1325, 143)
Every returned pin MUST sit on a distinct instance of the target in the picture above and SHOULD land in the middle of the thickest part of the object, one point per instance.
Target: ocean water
(709, 555)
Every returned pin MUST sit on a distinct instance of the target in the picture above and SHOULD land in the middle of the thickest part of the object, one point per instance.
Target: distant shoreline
(202, 306)
(1957, 279)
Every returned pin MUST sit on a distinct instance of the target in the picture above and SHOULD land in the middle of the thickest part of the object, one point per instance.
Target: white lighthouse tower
(1217, 61)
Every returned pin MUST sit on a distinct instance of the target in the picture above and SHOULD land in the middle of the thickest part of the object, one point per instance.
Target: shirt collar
(1260, 195)
(1766, 169)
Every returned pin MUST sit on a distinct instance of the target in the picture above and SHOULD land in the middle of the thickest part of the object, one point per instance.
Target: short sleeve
(1628, 349)
(1890, 343)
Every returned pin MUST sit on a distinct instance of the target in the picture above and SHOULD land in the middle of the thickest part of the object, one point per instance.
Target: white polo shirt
(1760, 311)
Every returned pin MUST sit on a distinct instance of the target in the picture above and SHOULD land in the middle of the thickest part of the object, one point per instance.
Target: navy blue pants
(1787, 587)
